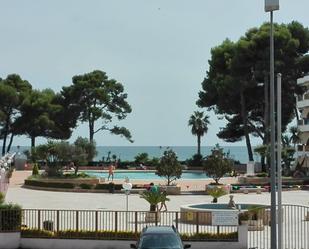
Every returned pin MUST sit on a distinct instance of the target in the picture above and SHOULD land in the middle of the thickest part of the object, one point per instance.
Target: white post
(279, 173)
(127, 186)
(127, 192)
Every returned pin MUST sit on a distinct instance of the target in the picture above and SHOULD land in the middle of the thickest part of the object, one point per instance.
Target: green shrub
(35, 233)
(49, 184)
(10, 217)
(216, 192)
(125, 235)
(196, 161)
(107, 235)
(1, 198)
(85, 186)
(48, 225)
(233, 236)
(79, 175)
(262, 174)
(108, 186)
(35, 170)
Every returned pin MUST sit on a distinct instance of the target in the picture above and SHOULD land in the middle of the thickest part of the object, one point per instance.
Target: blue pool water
(140, 175)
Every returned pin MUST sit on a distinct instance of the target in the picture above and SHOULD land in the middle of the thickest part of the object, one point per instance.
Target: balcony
(303, 81)
(303, 103)
(304, 148)
(303, 128)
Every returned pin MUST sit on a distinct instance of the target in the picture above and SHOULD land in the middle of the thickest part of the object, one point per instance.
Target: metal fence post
(176, 220)
(77, 220)
(135, 221)
(116, 221)
(39, 219)
(197, 222)
(57, 218)
(96, 220)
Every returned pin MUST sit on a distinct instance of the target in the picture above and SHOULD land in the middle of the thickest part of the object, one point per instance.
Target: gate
(295, 228)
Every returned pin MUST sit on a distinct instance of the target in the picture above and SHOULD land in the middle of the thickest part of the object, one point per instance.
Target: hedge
(125, 235)
(108, 186)
(49, 184)
(85, 186)
(10, 217)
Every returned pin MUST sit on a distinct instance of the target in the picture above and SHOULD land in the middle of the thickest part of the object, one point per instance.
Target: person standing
(111, 169)
(163, 204)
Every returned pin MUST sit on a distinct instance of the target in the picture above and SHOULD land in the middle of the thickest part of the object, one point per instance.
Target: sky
(159, 51)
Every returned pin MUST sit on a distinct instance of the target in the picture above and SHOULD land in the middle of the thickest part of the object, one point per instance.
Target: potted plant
(216, 192)
(243, 218)
(153, 198)
(255, 221)
(218, 164)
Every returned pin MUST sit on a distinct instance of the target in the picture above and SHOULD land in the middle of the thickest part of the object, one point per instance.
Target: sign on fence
(225, 218)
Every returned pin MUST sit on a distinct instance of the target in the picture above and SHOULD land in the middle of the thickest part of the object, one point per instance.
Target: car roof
(159, 229)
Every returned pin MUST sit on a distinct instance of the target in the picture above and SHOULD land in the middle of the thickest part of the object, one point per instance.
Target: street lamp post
(270, 6)
(127, 186)
(279, 168)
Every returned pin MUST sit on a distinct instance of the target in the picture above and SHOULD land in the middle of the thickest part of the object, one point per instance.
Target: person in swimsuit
(111, 169)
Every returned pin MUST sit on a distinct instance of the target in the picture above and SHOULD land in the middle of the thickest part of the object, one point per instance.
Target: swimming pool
(142, 175)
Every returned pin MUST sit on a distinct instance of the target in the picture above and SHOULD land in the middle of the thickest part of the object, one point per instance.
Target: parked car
(159, 237)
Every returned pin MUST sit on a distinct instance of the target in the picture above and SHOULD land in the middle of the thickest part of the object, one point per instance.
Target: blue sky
(158, 49)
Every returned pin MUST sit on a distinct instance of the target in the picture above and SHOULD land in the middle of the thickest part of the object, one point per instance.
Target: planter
(226, 187)
(267, 216)
(48, 225)
(152, 217)
(255, 225)
(172, 190)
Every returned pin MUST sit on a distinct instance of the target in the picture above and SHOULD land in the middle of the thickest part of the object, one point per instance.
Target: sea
(128, 153)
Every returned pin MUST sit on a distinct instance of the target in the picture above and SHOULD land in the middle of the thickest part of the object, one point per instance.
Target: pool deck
(66, 200)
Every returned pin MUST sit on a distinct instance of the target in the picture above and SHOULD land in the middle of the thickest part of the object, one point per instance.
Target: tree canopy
(99, 98)
(217, 164)
(13, 91)
(232, 88)
(169, 167)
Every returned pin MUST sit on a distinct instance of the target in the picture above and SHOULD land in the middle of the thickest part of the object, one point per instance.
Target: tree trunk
(198, 144)
(153, 207)
(5, 137)
(91, 130)
(10, 143)
(32, 142)
(3, 145)
(244, 118)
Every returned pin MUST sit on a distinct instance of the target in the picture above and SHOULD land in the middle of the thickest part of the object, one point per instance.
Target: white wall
(13, 241)
(9, 240)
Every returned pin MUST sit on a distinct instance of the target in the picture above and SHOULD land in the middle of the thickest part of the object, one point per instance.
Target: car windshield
(160, 241)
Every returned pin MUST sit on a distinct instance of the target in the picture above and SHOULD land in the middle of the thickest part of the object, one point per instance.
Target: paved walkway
(66, 200)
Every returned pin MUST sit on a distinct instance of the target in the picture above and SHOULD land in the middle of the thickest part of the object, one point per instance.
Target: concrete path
(66, 200)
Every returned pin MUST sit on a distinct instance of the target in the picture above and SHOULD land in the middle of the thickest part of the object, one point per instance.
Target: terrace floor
(67, 200)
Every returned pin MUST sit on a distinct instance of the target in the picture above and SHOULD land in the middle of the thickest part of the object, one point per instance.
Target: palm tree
(154, 198)
(199, 126)
(295, 138)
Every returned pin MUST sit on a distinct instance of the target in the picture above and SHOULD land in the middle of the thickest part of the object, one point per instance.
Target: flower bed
(120, 235)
